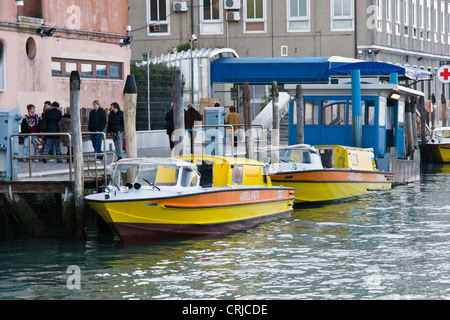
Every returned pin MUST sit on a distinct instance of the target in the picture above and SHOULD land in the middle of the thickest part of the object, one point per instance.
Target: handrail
(232, 131)
(69, 157)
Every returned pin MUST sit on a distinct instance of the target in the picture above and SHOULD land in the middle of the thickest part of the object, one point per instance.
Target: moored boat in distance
(161, 198)
(439, 144)
(328, 173)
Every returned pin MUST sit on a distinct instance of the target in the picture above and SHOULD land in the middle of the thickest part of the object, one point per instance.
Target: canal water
(392, 246)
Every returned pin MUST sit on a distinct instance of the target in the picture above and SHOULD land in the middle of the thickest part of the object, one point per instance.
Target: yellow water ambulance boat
(439, 144)
(328, 173)
(157, 199)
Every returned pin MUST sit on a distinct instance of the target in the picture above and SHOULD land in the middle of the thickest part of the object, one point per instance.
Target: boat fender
(129, 186)
(137, 185)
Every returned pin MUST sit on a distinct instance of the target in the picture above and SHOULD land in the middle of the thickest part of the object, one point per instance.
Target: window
(158, 16)
(380, 15)
(334, 112)
(255, 16)
(30, 9)
(115, 71)
(87, 69)
(100, 70)
(311, 111)
(69, 67)
(56, 68)
(341, 15)
(448, 24)
(414, 18)
(428, 20)
(298, 15)
(211, 17)
(398, 14)
(421, 19)
(442, 22)
(436, 21)
(406, 17)
(388, 16)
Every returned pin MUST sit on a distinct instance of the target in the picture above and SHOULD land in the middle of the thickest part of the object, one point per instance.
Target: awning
(282, 70)
(379, 69)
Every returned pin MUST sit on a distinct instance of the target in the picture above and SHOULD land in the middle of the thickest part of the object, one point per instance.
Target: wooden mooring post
(178, 116)
(130, 102)
(79, 229)
(300, 115)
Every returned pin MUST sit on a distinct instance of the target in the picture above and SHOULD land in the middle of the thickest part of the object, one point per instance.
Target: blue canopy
(266, 70)
(379, 69)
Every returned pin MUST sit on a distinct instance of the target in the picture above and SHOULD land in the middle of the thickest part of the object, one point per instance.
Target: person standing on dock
(97, 123)
(51, 117)
(116, 128)
(64, 126)
(169, 125)
(234, 119)
(30, 124)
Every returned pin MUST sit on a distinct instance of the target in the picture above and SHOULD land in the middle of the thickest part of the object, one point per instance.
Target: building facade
(43, 41)
(404, 32)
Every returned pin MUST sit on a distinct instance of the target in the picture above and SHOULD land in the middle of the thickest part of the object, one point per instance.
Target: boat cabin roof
(217, 171)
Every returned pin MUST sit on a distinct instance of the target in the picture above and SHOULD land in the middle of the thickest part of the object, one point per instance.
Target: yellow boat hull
(441, 153)
(204, 214)
(332, 185)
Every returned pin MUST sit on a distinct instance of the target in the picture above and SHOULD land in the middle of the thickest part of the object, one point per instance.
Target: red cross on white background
(443, 74)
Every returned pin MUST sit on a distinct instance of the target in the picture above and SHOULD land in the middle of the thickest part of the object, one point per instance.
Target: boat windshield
(440, 134)
(298, 156)
(147, 174)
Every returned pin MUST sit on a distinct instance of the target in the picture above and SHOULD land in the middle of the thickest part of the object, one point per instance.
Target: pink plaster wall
(30, 80)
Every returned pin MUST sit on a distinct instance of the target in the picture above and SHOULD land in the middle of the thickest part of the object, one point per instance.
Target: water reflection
(393, 246)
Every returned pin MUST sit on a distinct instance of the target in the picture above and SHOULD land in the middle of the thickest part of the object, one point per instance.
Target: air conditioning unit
(233, 16)
(180, 6)
(232, 4)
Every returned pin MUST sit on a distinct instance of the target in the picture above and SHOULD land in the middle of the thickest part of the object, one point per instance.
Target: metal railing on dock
(230, 149)
(68, 157)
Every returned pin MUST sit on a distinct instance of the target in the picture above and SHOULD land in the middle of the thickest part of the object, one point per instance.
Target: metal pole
(356, 108)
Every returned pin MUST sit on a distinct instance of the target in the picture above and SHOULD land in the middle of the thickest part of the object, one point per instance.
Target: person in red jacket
(30, 124)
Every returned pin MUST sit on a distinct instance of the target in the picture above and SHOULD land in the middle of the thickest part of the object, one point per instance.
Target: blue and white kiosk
(328, 93)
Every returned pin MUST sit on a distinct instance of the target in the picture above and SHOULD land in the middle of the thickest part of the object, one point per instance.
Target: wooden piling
(247, 122)
(423, 122)
(300, 115)
(414, 103)
(444, 111)
(275, 133)
(75, 122)
(130, 102)
(408, 128)
(433, 111)
(178, 116)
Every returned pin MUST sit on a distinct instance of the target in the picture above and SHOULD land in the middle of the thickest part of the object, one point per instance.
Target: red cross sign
(443, 74)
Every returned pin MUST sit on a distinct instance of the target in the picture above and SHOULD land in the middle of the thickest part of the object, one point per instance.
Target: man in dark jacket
(97, 123)
(169, 125)
(116, 128)
(51, 117)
